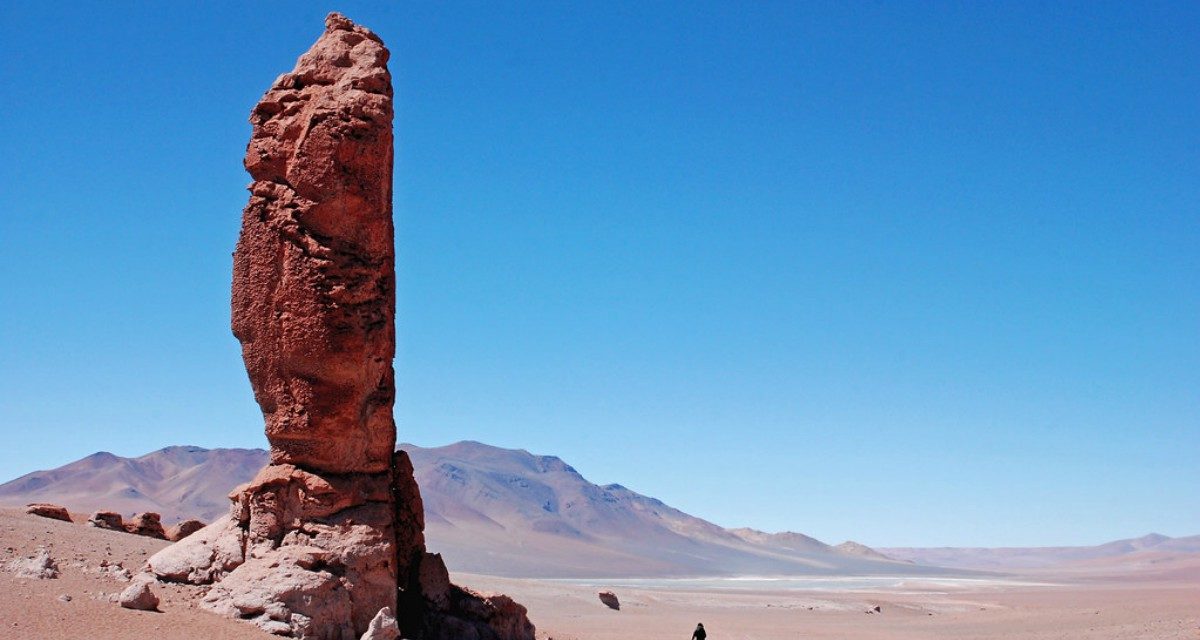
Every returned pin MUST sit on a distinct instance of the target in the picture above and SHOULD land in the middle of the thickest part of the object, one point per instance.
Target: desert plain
(1152, 598)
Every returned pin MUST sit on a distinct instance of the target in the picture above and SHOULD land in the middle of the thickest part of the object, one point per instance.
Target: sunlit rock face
(314, 292)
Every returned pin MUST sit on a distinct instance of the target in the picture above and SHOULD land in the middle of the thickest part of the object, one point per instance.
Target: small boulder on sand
(383, 626)
(184, 529)
(46, 510)
(139, 596)
(106, 520)
(610, 600)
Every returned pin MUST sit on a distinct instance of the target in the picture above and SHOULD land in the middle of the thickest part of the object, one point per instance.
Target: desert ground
(1095, 601)
(1109, 611)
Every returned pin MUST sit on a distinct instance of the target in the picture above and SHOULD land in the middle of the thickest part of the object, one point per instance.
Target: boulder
(383, 626)
(206, 556)
(610, 600)
(46, 510)
(107, 520)
(184, 529)
(139, 596)
(146, 524)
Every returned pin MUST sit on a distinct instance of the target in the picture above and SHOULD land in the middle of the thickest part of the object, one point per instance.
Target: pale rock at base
(382, 627)
(139, 596)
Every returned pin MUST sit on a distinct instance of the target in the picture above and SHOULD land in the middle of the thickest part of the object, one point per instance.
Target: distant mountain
(853, 548)
(178, 482)
(1014, 558)
(511, 512)
(490, 510)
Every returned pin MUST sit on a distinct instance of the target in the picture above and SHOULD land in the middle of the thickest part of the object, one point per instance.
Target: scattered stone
(184, 529)
(106, 520)
(38, 567)
(383, 626)
(139, 596)
(115, 570)
(146, 524)
(610, 600)
(47, 510)
(877, 609)
(64, 598)
(119, 573)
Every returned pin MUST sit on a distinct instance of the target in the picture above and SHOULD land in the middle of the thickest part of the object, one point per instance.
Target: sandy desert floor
(1101, 606)
(1146, 610)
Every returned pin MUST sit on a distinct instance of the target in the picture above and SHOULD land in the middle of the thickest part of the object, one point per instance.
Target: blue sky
(904, 273)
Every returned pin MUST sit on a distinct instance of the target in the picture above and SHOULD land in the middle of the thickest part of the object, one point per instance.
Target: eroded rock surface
(107, 520)
(147, 524)
(330, 533)
(313, 274)
(46, 510)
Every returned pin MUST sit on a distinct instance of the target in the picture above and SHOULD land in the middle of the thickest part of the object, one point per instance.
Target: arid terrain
(1148, 601)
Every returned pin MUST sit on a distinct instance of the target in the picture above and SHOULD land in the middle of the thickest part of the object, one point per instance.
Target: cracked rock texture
(313, 275)
(329, 533)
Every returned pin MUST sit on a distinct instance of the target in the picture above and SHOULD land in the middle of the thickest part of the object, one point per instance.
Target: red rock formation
(107, 520)
(46, 510)
(313, 274)
(147, 524)
(330, 533)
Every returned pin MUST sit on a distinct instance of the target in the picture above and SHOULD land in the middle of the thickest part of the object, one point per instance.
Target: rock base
(311, 555)
(300, 554)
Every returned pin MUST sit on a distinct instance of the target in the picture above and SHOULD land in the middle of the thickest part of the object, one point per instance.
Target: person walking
(699, 633)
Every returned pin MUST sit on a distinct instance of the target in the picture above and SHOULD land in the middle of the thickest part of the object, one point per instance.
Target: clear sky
(904, 273)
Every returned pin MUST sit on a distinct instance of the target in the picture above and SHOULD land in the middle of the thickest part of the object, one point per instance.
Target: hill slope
(515, 513)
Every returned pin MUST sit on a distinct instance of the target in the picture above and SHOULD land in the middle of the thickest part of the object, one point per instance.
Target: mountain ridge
(512, 512)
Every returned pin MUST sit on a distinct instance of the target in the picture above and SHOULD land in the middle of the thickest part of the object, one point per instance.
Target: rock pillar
(331, 531)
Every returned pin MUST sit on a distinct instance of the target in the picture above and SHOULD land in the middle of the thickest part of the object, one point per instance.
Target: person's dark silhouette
(699, 633)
